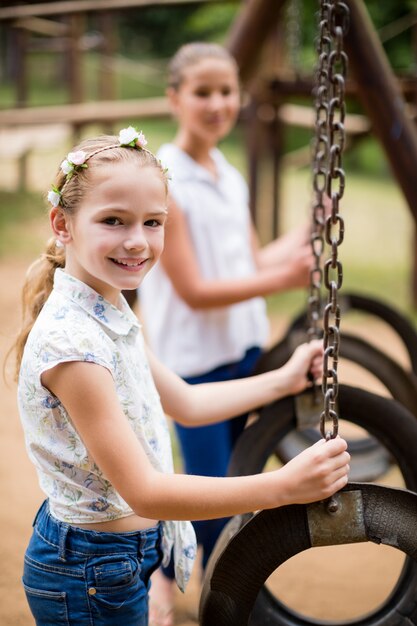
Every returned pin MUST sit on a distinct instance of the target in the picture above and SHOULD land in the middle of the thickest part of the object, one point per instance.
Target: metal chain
(319, 165)
(293, 31)
(338, 22)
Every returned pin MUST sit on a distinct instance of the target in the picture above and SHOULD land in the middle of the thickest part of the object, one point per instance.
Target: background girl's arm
(88, 394)
(179, 261)
(196, 405)
(293, 248)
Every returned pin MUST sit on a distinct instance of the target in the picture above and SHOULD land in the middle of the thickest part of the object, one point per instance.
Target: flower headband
(76, 161)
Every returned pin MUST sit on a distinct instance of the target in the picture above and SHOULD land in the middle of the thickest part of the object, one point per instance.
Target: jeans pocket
(115, 584)
(49, 608)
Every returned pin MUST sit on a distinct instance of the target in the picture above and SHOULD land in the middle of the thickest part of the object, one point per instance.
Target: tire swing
(251, 546)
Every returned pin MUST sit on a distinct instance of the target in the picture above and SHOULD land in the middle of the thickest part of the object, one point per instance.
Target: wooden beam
(79, 6)
(250, 30)
(305, 117)
(87, 112)
(41, 26)
(381, 97)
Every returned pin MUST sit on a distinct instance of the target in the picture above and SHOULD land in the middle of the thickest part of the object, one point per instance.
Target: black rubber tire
(272, 537)
(237, 569)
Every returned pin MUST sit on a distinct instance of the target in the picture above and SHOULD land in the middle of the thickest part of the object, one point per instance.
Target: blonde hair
(191, 54)
(40, 275)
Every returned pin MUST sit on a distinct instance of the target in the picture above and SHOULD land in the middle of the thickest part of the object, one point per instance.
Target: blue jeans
(77, 577)
(206, 450)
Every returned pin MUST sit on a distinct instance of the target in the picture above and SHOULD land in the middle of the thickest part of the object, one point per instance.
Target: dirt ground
(333, 584)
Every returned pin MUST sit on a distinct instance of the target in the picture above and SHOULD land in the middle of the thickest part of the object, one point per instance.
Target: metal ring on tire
(237, 570)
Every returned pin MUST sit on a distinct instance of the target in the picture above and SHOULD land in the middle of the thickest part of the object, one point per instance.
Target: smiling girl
(92, 401)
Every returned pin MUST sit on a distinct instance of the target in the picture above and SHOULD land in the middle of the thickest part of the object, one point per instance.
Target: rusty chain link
(329, 179)
(320, 157)
(293, 34)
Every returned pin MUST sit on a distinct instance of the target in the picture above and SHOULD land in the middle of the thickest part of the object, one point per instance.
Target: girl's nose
(216, 101)
(136, 239)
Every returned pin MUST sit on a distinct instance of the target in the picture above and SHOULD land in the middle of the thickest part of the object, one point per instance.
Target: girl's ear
(172, 95)
(59, 225)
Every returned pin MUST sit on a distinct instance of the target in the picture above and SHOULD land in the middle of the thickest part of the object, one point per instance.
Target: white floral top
(77, 324)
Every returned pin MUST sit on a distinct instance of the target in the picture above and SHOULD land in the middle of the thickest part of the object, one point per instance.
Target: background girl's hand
(306, 359)
(298, 265)
(317, 472)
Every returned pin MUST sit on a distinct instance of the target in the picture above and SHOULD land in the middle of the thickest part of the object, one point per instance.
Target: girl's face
(207, 101)
(117, 234)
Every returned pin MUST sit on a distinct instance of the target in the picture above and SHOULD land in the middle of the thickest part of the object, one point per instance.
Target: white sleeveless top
(189, 341)
(77, 324)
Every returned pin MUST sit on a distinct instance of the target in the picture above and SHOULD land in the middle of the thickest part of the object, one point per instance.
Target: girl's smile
(130, 265)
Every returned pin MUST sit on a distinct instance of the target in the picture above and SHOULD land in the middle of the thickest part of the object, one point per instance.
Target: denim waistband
(88, 542)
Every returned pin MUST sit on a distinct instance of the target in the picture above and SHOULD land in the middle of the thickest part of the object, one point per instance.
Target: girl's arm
(294, 248)
(196, 405)
(180, 264)
(88, 394)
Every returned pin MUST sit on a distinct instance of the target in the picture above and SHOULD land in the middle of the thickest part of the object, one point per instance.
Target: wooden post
(253, 27)
(74, 59)
(21, 76)
(380, 95)
(254, 142)
(414, 242)
(250, 30)
(106, 86)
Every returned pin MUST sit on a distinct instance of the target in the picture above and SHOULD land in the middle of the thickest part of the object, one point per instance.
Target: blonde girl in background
(211, 323)
(92, 400)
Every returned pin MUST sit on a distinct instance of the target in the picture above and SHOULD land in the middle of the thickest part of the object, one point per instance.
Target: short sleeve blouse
(77, 324)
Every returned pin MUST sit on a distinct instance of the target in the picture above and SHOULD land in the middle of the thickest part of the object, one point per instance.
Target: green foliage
(158, 32)
(211, 23)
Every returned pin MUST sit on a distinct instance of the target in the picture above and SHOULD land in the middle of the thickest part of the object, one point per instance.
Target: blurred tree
(158, 31)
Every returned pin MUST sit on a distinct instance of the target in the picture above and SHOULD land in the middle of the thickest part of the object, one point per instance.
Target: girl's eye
(152, 223)
(112, 221)
(202, 93)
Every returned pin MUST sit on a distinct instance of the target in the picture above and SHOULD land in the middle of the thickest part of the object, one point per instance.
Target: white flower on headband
(66, 166)
(73, 162)
(141, 141)
(54, 196)
(77, 158)
(131, 137)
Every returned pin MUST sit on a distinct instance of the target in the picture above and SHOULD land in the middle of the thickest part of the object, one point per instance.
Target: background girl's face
(207, 101)
(117, 233)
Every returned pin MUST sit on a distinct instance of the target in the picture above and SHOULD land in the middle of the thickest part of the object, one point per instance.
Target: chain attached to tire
(334, 225)
(319, 164)
(329, 179)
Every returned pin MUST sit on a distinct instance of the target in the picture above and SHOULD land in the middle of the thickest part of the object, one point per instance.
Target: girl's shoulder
(182, 167)
(63, 333)
(179, 164)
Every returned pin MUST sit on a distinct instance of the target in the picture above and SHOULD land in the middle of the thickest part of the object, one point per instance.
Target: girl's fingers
(341, 471)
